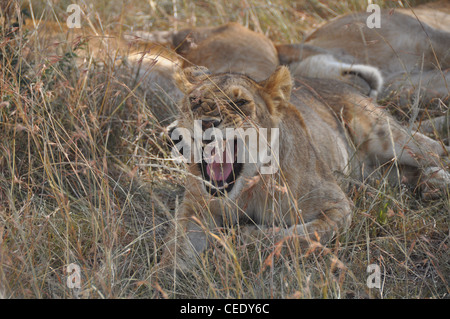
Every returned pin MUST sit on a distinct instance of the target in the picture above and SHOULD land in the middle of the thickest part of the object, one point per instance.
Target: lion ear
(187, 78)
(279, 85)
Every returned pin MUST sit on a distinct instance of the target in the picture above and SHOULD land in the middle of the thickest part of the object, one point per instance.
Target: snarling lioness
(326, 129)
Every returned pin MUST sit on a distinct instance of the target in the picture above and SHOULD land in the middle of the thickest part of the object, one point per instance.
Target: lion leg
(430, 87)
(440, 124)
(322, 228)
(325, 226)
(385, 140)
(185, 241)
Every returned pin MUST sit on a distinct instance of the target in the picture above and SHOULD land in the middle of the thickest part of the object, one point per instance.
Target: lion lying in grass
(405, 54)
(234, 48)
(405, 61)
(413, 57)
(326, 129)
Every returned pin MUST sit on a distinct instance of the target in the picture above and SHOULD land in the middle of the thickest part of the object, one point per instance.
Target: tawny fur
(327, 129)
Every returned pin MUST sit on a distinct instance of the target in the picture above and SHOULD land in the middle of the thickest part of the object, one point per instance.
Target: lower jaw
(214, 191)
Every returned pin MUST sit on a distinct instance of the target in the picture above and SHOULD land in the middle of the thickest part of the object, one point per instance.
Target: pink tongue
(220, 171)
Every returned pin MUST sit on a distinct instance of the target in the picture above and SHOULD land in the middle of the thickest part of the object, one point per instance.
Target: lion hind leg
(382, 139)
(414, 149)
(385, 140)
(435, 180)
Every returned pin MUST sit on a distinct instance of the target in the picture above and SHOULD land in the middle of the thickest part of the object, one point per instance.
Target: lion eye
(195, 102)
(239, 103)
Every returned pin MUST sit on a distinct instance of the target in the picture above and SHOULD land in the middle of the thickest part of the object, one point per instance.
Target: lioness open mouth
(222, 175)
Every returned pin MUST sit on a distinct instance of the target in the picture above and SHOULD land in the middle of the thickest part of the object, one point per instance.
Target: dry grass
(84, 179)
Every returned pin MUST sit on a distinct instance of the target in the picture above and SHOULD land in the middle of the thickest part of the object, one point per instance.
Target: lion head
(229, 125)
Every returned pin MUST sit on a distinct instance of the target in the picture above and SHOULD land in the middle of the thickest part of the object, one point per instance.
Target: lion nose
(206, 124)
